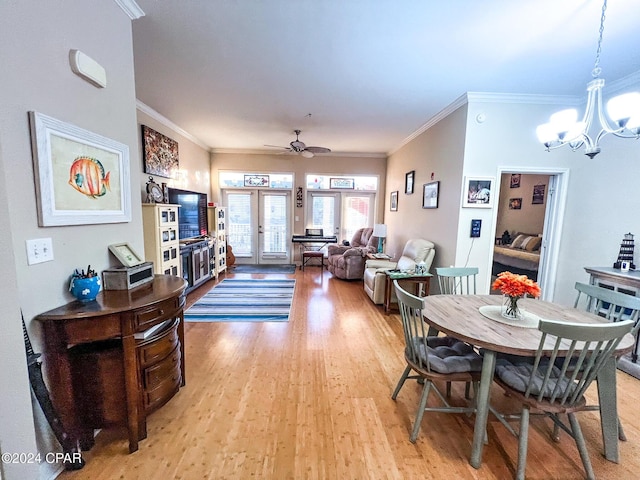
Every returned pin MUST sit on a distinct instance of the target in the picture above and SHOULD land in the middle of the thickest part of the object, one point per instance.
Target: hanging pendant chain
(595, 73)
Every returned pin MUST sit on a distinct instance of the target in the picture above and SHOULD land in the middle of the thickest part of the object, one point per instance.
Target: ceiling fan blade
(278, 146)
(318, 150)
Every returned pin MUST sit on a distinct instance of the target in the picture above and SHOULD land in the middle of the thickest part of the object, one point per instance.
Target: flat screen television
(192, 214)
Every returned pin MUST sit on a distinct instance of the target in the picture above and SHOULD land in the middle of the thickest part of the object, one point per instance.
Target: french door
(340, 214)
(259, 225)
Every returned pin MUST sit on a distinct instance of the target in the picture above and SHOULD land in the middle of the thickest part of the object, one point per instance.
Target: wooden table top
(458, 316)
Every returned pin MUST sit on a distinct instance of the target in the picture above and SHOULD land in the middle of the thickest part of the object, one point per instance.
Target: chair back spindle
(457, 280)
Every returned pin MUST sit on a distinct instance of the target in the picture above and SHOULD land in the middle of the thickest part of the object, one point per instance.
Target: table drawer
(158, 347)
(156, 397)
(155, 374)
(146, 317)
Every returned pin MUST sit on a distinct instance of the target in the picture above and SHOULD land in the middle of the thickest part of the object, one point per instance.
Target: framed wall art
(538, 194)
(81, 177)
(393, 202)
(409, 179)
(430, 192)
(515, 180)
(478, 192)
(347, 183)
(256, 180)
(159, 153)
(515, 203)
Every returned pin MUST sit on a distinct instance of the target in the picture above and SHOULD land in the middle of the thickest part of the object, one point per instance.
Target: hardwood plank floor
(310, 399)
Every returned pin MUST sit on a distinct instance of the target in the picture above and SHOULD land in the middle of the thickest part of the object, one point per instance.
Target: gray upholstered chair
(555, 384)
(414, 252)
(347, 262)
(433, 358)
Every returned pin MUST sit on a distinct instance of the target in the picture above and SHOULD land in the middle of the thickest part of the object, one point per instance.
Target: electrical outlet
(39, 250)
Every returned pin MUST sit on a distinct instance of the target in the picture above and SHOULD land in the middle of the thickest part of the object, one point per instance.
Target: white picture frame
(478, 192)
(125, 254)
(81, 177)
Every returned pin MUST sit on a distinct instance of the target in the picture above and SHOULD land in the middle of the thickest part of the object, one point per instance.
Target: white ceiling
(238, 74)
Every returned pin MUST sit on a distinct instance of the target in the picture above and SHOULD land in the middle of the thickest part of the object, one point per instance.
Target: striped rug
(250, 300)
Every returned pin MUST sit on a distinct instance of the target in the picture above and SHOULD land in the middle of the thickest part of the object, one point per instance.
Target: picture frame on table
(125, 254)
(409, 180)
(393, 202)
(478, 192)
(430, 194)
(82, 177)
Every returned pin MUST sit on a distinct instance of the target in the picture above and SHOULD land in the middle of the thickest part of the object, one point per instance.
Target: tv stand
(196, 264)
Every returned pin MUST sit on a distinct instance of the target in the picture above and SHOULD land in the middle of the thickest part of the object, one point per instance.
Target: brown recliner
(347, 262)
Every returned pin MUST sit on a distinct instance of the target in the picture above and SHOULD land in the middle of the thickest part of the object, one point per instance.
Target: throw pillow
(517, 243)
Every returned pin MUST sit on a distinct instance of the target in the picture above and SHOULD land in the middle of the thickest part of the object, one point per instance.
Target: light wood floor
(310, 399)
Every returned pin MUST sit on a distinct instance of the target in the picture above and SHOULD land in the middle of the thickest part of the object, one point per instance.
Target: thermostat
(475, 228)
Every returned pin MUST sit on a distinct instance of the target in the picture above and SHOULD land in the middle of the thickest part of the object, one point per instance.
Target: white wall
(601, 205)
(36, 38)
(439, 151)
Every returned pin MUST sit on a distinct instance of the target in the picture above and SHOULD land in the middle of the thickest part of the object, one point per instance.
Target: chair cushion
(516, 374)
(448, 355)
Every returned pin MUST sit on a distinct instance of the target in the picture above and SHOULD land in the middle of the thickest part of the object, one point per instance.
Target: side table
(420, 280)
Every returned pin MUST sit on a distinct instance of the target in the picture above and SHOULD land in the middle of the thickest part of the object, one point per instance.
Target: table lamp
(380, 231)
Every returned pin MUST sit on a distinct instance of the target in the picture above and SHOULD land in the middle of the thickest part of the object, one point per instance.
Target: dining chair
(433, 358)
(553, 388)
(457, 280)
(614, 306)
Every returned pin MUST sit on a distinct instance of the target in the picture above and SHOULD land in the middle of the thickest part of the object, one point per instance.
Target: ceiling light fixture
(624, 110)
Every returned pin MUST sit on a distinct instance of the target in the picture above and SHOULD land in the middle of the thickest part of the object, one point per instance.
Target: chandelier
(624, 111)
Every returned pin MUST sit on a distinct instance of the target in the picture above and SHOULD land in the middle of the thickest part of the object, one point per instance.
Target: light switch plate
(39, 250)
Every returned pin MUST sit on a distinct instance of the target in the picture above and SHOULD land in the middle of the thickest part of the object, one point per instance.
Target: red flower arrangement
(515, 287)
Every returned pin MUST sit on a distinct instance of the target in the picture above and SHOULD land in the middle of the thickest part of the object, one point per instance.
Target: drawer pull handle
(161, 312)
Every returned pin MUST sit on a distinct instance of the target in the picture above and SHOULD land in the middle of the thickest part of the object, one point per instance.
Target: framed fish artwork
(81, 177)
(160, 153)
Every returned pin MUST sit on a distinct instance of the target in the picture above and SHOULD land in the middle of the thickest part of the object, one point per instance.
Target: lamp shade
(379, 230)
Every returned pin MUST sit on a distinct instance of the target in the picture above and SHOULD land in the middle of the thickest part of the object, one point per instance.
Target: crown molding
(131, 8)
(246, 151)
(146, 109)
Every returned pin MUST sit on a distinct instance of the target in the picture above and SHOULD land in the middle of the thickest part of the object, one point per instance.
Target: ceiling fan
(300, 147)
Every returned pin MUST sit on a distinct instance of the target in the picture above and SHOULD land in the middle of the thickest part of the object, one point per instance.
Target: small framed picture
(430, 193)
(408, 182)
(478, 192)
(125, 254)
(256, 180)
(348, 183)
(394, 201)
(515, 180)
(538, 194)
(515, 203)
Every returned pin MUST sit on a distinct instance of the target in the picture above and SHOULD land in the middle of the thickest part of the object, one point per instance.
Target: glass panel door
(274, 238)
(357, 212)
(258, 224)
(323, 211)
(241, 224)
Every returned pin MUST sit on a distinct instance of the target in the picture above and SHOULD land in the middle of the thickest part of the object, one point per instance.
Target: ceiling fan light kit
(301, 148)
(624, 110)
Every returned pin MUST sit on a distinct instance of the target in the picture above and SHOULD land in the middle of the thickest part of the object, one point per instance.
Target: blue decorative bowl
(85, 289)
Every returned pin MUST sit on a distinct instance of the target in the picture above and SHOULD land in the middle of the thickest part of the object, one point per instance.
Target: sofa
(347, 261)
(415, 251)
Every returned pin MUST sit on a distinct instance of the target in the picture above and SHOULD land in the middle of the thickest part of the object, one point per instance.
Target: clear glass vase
(510, 308)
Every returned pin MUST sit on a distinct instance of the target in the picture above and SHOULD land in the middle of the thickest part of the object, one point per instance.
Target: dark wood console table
(104, 366)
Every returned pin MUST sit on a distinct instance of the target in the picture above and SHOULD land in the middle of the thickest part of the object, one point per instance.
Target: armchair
(347, 262)
(415, 251)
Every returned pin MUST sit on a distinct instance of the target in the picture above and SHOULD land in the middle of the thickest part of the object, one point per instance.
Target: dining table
(476, 319)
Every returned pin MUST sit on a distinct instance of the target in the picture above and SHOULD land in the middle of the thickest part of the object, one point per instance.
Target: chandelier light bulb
(623, 107)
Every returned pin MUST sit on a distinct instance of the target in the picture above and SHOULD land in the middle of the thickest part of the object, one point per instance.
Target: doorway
(528, 224)
(259, 225)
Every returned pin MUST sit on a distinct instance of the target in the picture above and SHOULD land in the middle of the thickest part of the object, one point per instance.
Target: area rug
(249, 300)
(286, 268)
